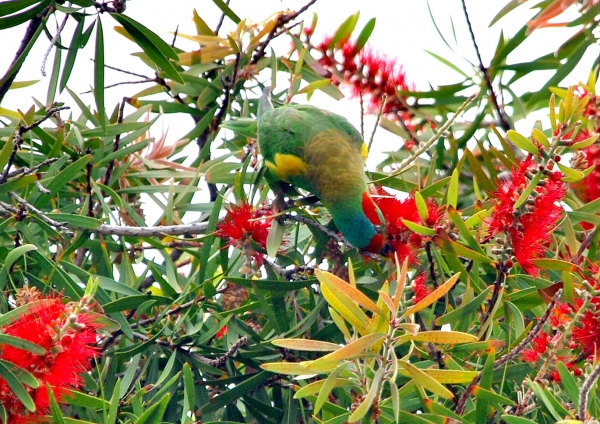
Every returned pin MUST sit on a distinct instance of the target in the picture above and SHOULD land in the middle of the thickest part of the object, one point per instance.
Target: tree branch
(504, 124)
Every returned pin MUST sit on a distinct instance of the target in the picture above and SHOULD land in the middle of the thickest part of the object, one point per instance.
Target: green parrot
(321, 152)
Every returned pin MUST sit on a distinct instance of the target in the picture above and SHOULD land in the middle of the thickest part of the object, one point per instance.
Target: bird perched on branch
(321, 152)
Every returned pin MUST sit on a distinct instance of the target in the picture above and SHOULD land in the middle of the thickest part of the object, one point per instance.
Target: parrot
(322, 153)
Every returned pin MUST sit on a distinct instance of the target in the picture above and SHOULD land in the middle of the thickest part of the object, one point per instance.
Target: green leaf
(155, 48)
(77, 42)
(569, 383)
(76, 221)
(6, 370)
(328, 386)
(227, 11)
(22, 344)
(452, 196)
(10, 7)
(99, 73)
(522, 142)
(22, 17)
(364, 35)
(344, 31)
(528, 190)
(421, 207)
(154, 414)
(511, 419)
(57, 416)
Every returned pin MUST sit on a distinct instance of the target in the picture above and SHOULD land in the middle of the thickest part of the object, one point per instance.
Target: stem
(462, 402)
(406, 163)
(501, 115)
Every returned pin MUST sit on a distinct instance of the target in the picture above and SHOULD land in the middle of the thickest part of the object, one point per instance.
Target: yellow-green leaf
(419, 229)
(585, 143)
(347, 289)
(425, 381)
(522, 142)
(452, 195)
(438, 336)
(307, 345)
(421, 206)
(288, 368)
(447, 376)
(315, 387)
(540, 137)
(352, 349)
(346, 307)
(571, 175)
(432, 297)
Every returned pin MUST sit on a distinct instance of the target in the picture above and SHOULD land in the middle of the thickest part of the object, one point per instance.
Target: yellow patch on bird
(364, 151)
(287, 165)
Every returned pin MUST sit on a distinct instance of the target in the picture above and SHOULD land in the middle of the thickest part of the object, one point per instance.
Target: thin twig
(406, 163)
(501, 115)
(379, 115)
(18, 139)
(158, 231)
(260, 51)
(26, 171)
(584, 392)
(338, 238)
(29, 207)
(221, 20)
(34, 24)
(462, 402)
(220, 361)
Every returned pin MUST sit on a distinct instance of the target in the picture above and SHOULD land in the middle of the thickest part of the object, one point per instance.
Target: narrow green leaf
(76, 44)
(227, 11)
(328, 386)
(99, 73)
(22, 344)
(522, 142)
(154, 47)
(344, 31)
(452, 196)
(57, 417)
(364, 35)
(6, 370)
(421, 207)
(528, 190)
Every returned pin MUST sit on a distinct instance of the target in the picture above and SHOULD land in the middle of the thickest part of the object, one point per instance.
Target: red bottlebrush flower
(539, 345)
(587, 335)
(560, 315)
(420, 287)
(404, 241)
(222, 332)
(369, 74)
(529, 227)
(588, 189)
(68, 334)
(244, 222)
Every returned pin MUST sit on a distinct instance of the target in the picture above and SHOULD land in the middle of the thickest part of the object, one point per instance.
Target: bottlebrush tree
(146, 280)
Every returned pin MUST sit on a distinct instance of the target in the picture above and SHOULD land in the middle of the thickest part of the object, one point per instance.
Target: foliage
(483, 306)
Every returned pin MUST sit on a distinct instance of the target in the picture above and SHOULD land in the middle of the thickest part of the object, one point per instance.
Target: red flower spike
(369, 74)
(529, 229)
(420, 287)
(243, 222)
(538, 347)
(403, 241)
(68, 336)
(222, 332)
